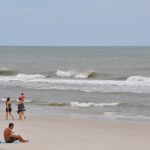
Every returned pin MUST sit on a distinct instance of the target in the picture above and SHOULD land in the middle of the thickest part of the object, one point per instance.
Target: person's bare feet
(26, 141)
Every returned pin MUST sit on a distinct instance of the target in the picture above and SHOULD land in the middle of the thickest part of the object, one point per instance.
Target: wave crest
(7, 72)
(30, 77)
(138, 79)
(74, 74)
(134, 84)
(78, 104)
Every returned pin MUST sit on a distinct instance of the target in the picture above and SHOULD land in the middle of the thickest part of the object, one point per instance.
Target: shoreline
(49, 132)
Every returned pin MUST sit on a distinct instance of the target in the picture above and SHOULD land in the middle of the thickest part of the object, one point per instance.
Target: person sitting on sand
(21, 109)
(9, 135)
(8, 108)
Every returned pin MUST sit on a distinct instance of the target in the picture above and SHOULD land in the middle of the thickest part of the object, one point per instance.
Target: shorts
(18, 111)
(8, 109)
(11, 140)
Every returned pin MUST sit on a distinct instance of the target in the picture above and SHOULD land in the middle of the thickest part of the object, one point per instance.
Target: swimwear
(11, 140)
(21, 108)
(8, 109)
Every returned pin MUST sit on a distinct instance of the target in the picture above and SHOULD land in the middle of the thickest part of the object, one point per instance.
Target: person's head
(8, 99)
(22, 94)
(11, 125)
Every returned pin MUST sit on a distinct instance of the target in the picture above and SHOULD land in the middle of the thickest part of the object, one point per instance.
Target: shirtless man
(9, 135)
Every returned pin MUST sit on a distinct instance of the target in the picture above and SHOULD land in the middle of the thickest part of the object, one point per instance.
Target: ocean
(83, 82)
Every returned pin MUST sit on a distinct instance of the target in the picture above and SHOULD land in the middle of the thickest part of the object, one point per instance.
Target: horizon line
(74, 45)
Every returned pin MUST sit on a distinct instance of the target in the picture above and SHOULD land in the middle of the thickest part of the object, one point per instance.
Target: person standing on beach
(22, 97)
(9, 135)
(22, 106)
(8, 109)
(21, 109)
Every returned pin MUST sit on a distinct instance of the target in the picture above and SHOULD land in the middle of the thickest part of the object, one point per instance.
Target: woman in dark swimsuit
(21, 109)
(8, 109)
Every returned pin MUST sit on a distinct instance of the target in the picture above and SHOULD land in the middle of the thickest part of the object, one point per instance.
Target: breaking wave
(138, 79)
(78, 104)
(25, 77)
(7, 72)
(74, 74)
(116, 115)
(42, 78)
(15, 100)
(134, 84)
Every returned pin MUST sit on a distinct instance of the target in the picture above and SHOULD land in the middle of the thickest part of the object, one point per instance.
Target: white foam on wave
(78, 104)
(74, 74)
(23, 78)
(109, 113)
(138, 79)
(133, 80)
(61, 73)
(115, 115)
(37, 81)
(3, 99)
(30, 77)
(26, 100)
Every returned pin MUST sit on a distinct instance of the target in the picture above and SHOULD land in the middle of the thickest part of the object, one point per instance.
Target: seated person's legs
(19, 138)
(11, 139)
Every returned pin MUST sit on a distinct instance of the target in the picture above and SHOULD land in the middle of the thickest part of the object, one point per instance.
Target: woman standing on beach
(22, 99)
(8, 108)
(21, 109)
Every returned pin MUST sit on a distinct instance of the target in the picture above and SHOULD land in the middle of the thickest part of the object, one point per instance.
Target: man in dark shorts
(10, 137)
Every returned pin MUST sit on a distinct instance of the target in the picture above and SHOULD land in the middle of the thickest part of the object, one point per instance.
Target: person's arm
(19, 102)
(11, 132)
(6, 104)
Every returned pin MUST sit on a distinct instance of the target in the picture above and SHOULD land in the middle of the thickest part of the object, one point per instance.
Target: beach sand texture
(55, 133)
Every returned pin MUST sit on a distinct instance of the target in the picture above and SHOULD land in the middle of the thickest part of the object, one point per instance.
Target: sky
(75, 22)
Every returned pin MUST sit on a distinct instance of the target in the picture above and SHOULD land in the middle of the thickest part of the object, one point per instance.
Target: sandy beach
(55, 133)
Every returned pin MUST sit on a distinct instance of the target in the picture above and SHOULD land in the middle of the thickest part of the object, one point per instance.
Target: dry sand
(53, 133)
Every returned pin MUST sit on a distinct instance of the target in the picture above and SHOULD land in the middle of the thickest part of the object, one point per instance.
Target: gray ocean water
(84, 82)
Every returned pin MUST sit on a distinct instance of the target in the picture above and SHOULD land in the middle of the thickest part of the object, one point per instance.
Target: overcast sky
(75, 22)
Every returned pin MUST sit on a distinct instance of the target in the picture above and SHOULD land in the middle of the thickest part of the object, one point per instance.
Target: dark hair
(8, 99)
(20, 98)
(11, 125)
